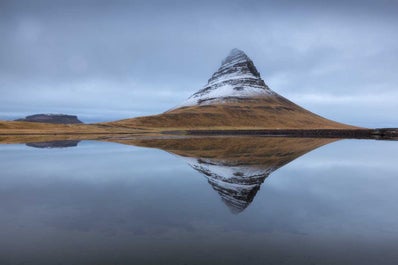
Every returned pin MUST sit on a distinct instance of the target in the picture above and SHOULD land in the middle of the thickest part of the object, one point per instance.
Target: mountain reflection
(237, 185)
(235, 167)
(54, 144)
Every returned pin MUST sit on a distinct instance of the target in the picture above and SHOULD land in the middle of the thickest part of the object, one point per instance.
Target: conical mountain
(235, 97)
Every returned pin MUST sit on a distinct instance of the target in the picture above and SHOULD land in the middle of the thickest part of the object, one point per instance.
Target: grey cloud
(143, 57)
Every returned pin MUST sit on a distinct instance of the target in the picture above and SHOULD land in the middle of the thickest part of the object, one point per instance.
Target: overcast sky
(106, 60)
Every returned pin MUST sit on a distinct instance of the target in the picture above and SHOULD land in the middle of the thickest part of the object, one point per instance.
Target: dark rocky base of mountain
(52, 118)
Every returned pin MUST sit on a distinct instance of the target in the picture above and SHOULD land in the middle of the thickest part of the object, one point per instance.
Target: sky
(108, 60)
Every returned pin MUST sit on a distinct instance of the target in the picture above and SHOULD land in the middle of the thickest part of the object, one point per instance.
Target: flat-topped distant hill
(52, 118)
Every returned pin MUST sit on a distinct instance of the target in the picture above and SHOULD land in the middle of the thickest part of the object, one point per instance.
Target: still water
(238, 200)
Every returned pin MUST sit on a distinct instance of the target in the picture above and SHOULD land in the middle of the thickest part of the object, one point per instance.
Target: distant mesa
(52, 118)
(235, 97)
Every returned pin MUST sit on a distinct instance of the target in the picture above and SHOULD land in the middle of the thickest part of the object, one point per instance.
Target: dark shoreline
(382, 133)
(377, 134)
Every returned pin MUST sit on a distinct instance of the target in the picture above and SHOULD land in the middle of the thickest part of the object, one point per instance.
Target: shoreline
(379, 133)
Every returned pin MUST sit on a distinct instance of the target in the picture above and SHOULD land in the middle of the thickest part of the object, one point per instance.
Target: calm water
(109, 203)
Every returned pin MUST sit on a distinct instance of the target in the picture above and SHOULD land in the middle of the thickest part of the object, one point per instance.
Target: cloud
(143, 58)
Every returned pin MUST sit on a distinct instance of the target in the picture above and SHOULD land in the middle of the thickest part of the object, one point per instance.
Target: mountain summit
(237, 78)
(235, 97)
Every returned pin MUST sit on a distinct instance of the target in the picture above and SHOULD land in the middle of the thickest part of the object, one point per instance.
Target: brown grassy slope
(239, 150)
(39, 138)
(21, 127)
(256, 113)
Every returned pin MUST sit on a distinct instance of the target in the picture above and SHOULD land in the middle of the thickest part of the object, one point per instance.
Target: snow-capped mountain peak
(236, 79)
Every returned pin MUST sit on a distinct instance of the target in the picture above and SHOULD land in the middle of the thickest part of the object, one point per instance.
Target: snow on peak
(235, 55)
(236, 79)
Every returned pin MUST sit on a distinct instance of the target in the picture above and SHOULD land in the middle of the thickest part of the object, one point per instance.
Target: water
(205, 201)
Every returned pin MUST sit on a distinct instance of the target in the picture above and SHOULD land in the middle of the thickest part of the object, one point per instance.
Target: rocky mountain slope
(235, 97)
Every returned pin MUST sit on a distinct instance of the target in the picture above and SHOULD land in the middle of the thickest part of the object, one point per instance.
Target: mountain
(235, 97)
(235, 167)
(52, 118)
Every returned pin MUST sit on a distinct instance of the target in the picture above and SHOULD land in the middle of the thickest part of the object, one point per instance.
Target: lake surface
(237, 200)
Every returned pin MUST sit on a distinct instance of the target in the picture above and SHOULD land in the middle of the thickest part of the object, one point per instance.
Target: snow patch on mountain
(236, 79)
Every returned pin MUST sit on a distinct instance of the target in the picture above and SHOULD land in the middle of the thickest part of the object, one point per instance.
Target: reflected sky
(102, 203)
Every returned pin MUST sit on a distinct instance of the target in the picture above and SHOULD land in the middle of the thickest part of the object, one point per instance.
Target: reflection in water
(235, 166)
(237, 185)
(104, 203)
(54, 144)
